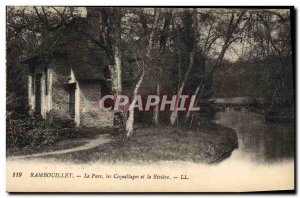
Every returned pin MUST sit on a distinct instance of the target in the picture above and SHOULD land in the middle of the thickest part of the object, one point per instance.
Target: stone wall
(60, 95)
(90, 113)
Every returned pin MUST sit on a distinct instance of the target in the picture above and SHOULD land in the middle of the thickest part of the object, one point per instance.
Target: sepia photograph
(150, 99)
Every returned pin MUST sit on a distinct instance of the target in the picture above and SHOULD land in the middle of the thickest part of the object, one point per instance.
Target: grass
(60, 145)
(208, 144)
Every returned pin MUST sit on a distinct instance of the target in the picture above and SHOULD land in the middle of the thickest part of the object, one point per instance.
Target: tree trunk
(116, 83)
(175, 111)
(115, 72)
(156, 110)
(130, 120)
(198, 89)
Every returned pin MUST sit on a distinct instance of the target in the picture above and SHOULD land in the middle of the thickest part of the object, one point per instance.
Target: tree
(190, 26)
(269, 37)
(233, 29)
(146, 60)
(164, 35)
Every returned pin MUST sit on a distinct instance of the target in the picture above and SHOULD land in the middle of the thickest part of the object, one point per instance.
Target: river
(259, 141)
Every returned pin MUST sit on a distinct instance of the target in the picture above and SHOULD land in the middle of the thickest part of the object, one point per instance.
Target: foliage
(25, 130)
(279, 79)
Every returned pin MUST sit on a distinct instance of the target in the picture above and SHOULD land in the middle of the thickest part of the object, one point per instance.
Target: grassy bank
(208, 144)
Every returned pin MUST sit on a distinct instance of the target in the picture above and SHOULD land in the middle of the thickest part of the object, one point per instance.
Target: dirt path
(99, 140)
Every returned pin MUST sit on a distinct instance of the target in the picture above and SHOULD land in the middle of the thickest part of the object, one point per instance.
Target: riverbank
(209, 143)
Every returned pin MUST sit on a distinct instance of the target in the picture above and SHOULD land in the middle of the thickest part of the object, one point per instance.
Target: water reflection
(259, 140)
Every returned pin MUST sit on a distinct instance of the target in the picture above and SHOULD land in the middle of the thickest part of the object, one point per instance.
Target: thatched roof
(85, 57)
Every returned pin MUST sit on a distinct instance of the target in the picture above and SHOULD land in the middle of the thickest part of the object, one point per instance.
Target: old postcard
(150, 99)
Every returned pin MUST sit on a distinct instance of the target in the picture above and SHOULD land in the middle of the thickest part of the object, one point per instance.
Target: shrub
(25, 130)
